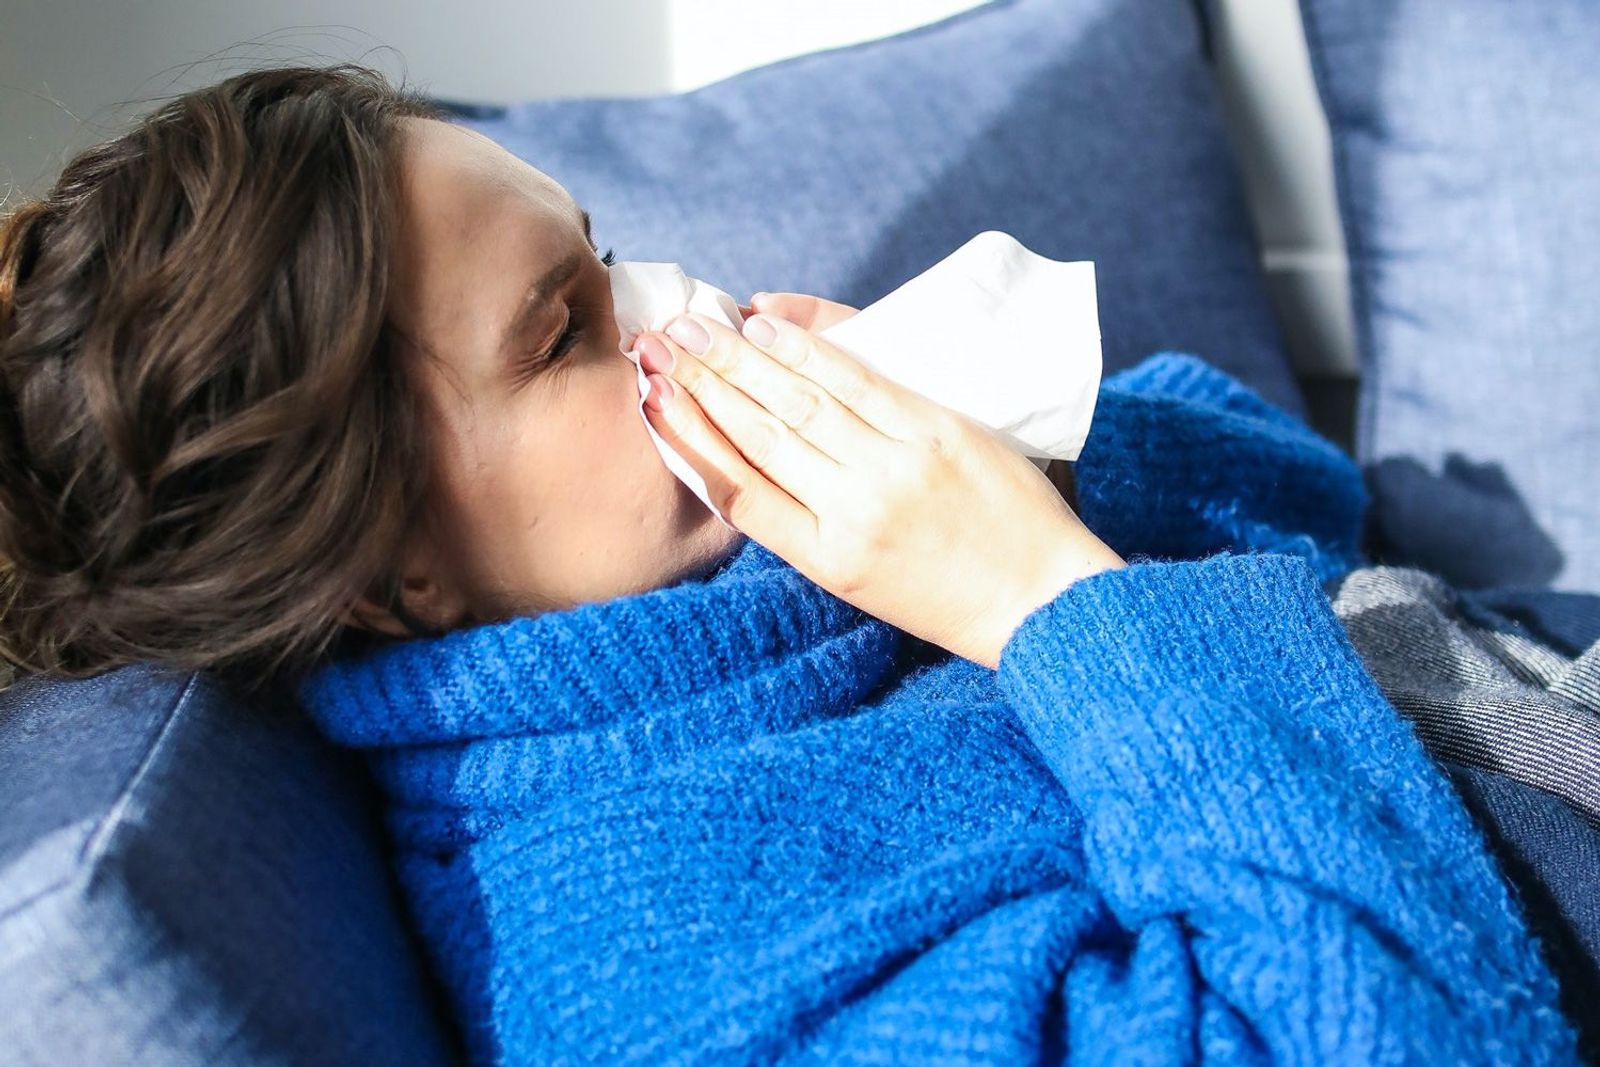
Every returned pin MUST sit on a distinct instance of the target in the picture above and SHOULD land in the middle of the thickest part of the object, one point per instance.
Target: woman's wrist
(1083, 557)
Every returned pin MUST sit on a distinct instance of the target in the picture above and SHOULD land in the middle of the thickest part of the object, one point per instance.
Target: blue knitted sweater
(736, 819)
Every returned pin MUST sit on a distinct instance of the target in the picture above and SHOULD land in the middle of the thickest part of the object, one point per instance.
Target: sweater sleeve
(1241, 776)
(1183, 461)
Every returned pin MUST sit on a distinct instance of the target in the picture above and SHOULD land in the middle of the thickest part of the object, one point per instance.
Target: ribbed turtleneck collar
(740, 627)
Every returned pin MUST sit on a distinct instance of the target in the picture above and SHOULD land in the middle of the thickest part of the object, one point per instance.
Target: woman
(912, 766)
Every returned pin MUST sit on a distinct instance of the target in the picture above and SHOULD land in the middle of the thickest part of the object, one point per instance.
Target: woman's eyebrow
(542, 290)
(537, 295)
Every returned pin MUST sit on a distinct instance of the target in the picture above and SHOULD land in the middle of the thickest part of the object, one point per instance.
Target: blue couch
(190, 877)
(187, 877)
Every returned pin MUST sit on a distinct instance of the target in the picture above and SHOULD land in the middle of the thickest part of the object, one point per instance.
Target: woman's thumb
(807, 312)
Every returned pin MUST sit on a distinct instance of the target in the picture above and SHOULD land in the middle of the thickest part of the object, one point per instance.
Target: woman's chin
(692, 511)
(697, 525)
(727, 547)
(721, 541)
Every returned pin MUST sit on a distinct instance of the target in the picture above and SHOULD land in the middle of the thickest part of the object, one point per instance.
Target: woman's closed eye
(538, 362)
(569, 337)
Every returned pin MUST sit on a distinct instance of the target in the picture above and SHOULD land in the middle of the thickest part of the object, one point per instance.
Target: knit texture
(738, 820)
(1515, 721)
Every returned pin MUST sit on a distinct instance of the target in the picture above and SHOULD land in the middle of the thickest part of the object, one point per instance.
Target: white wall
(71, 71)
(712, 39)
(1277, 126)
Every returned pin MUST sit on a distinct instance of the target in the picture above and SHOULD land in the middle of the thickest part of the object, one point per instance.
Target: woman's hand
(904, 508)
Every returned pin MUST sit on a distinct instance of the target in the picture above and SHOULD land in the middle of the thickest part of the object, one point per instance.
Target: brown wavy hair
(209, 446)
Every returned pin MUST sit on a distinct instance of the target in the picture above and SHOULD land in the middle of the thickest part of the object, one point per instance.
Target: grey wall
(72, 70)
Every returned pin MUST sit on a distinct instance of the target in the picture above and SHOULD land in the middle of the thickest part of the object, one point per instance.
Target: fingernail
(660, 392)
(759, 331)
(690, 334)
(757, 296)
(655, 356)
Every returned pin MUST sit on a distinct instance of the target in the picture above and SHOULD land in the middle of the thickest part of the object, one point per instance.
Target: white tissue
(999, 333)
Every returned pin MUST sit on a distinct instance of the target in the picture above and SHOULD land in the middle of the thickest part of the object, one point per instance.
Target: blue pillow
(1468, 167)
(190, 878)
(1086, 128)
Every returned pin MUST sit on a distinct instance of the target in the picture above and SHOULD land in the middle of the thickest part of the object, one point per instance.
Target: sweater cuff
(1215, 701)
(1256, 627)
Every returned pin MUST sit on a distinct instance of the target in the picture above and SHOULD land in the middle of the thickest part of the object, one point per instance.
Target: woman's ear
(426, 593)
(420, 597)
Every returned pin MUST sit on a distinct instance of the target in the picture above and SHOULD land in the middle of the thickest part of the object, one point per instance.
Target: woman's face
(549, 491)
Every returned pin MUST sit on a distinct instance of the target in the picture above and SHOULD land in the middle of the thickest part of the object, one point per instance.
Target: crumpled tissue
(995, 331)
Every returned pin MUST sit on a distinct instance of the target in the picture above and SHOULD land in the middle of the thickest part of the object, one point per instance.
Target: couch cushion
(189, 878)
(1469, 183)
(1088, 129)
